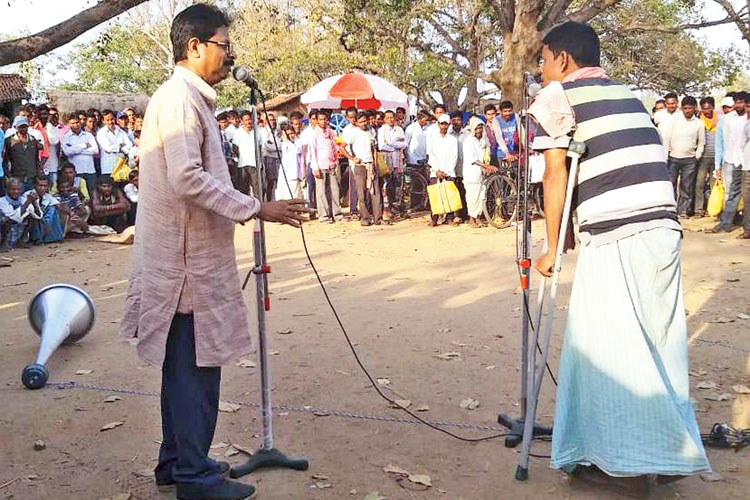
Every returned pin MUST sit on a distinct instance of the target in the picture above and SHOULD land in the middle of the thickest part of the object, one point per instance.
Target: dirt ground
(407, 294)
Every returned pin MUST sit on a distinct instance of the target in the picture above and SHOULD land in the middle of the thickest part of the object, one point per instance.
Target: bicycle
(414, 189)
(501, 203)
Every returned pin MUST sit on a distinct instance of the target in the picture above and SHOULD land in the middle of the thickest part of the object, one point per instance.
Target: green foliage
(123, 59)
(658, 61)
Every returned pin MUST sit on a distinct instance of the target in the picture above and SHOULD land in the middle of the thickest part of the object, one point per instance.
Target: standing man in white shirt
(733, 131)
(80, 147)
(416, 142)
(247, 166)
(665, 117)
(392, 142)
(358, 149)
(351, 116)
(306, 136)
(113, 142)
(432, 130)
(684, 142)
(475, 150)
(442, 155)
(271, 160)
(50, 118)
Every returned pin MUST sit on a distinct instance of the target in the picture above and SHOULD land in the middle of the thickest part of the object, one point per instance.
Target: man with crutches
(623, 415)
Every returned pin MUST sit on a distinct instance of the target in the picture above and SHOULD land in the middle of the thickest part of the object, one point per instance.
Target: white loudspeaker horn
(59, 314)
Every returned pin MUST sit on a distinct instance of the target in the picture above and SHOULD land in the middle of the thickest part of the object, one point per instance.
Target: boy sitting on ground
(109, 207)
(73, 213)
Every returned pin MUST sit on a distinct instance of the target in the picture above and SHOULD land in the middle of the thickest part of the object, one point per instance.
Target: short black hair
(245, 113)
(313, 113)
(324, 112)
(108, 112)
(457, 114)
(232, 112)
(351, 109)
(105, 179)
(222, 116)
(436, 106)
(41, 178)
(295, 115)
(577, 39)
(401, 108)
(389, 112)
(136, 134)
(68, 165)
(708, 100)
(689, 100)
(506, 105)
(361, 114)
(490, 107)
(199, 21)
(742, 96)
(422, 114)
(381, 114)
(670, 95)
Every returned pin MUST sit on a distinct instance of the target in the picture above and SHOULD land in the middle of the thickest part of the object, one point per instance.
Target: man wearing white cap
(442, 156)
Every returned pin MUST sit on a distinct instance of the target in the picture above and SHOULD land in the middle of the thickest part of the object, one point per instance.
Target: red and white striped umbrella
(354, 89)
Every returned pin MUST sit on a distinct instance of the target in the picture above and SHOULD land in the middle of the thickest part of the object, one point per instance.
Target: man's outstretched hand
(291, 212)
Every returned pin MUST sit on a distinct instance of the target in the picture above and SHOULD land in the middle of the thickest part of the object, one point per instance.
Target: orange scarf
(710, 123)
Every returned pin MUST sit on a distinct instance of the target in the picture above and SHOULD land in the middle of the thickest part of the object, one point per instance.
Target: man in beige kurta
(184, 302)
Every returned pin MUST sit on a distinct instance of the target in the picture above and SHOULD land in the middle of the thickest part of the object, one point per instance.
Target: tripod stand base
(265, 459)
(515, 426)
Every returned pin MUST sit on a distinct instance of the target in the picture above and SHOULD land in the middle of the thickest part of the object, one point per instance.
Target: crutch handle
(576, 149)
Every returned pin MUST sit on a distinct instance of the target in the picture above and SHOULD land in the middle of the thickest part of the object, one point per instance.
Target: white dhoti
(284, 192)
(476, 192)
(623, 399)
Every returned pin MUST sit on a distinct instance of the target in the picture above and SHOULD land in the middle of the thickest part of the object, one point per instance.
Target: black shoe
(717, 229)
(227, 489)
(168, 484)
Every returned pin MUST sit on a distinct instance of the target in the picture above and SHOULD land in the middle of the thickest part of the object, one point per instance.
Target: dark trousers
(738, 189)
(352, 190)
(189, 409)
(327, 185)
(360, 176)
(702, 186)
(90, 181)
(683, 172)
(311, 188)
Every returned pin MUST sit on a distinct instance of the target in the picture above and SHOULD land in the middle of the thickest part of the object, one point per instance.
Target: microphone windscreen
(240, 73)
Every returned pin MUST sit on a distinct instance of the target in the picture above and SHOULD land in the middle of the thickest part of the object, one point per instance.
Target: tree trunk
(24, 49)
(521, 47)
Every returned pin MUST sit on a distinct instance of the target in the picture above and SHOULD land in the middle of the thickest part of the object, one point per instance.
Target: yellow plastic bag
(121, 170)
(444, 197)
(716, 199)
(381, 161)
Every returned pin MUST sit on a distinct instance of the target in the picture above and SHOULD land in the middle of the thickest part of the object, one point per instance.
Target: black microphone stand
(516, 425)
(267, 456)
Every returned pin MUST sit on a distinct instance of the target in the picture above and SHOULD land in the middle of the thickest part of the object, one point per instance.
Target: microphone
(241, 74)
(532, 87)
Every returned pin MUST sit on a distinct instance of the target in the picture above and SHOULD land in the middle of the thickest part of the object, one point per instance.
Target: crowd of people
(80, 175)
(365, 164)
(72, 177)
(704, 146)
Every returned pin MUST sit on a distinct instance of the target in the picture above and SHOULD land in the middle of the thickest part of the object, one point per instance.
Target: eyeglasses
(227, 46)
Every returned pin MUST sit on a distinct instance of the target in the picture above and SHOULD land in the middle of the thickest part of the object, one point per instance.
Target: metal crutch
(575, 151)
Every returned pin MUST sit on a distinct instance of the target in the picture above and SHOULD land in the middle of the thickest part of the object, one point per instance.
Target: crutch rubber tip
(522, 473)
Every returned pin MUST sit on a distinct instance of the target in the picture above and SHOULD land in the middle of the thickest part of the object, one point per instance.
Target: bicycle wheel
(500, 205)
(416, 193)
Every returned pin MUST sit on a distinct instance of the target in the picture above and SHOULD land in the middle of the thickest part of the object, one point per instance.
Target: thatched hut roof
(12, 88)
(67, 101)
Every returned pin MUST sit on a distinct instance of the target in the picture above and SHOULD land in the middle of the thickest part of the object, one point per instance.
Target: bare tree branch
(554, 13)
(23, 49)
(743, 24)
(590, 11)
(642, 28)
